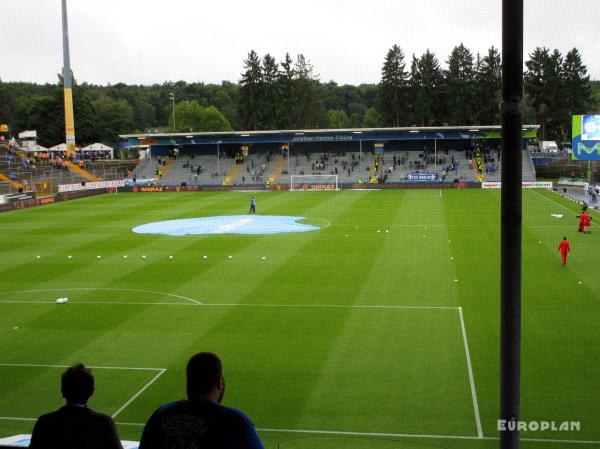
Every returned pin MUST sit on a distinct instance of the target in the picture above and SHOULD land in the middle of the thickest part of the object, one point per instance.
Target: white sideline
(371, 434)
(551, 200)
(33, 365)
(471, 377)
(135, 396)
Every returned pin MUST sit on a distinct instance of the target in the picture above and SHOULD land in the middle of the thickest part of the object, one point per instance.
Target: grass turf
(307, 336)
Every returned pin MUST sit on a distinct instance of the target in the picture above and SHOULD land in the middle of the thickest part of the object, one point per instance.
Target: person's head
(564, 238)
(77, 384)
(205, 380)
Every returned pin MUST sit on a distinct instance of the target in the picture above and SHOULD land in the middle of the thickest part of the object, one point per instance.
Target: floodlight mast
(68, 85)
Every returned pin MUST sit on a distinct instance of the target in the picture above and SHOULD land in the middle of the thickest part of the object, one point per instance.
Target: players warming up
(585, 221)
(252, 206)
(564, 249)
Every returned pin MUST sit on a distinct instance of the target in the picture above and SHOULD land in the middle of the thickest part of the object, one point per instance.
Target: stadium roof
(322, 135)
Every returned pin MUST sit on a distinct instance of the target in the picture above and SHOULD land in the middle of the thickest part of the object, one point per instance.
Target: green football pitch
(378, 330)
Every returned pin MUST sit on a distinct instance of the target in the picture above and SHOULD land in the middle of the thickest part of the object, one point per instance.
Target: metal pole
(172, 97)
(511, 226)
(360, 149)
(218, 160)
(67, 85)
(174, 125)
(435, 153)
(289, 154)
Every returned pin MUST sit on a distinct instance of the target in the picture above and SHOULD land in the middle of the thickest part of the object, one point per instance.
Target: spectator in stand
(200, 421)
(75, 426)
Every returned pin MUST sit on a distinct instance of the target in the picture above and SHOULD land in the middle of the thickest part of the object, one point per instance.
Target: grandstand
(19, 169)
(390, 155)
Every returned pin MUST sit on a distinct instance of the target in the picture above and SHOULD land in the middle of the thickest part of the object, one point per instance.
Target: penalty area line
(140, 391)
(471, 377)
(307, 306)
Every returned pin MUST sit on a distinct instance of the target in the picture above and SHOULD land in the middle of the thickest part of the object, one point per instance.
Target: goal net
(314, 182)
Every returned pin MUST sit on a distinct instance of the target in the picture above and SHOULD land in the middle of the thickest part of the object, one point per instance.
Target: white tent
(99, 147)
(59, 147)
(34, 147)
(28, 135)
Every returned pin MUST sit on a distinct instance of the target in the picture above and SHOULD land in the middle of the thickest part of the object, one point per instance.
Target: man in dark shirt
(75, 426)
(200, 422)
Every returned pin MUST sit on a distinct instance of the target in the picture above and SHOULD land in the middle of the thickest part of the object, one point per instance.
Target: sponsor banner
(141, 182)
(379, 148)
(149, 189)
(524, 185)
(15, 197)
(308, 186)
(91, 185)
(572, 181)
(422, 177)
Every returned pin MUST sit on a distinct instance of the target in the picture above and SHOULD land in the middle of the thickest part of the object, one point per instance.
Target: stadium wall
(59, 197)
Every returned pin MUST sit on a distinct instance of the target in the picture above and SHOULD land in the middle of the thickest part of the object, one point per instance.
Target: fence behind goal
(314, 182)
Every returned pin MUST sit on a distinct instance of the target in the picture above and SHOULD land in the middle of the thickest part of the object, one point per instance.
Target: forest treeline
(419, 91)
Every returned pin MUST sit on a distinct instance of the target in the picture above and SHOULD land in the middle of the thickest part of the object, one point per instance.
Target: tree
(213, 120)
(392, 88)
(488, 90)
(578, 89)
(285, 87)
(459, 87)
(309, 112)
(338, 119)
(113, 117)
(427, 84)
(543, 85)
(270, 94)
(251, 93)
(190, 117)
(371, 119)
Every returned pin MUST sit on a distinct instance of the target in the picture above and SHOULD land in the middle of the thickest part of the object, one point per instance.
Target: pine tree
(427, 83)
(309, 110)
(545, 91)
(270, 98)
(251, 93)
(286, 112)
(578, 88)
(488, 89)
(393, 88)
(459, 87)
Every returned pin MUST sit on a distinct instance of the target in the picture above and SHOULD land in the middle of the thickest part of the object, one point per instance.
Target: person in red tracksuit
(584, 221)
(564, 249)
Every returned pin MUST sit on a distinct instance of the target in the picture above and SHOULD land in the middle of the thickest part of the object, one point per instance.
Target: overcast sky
(152, 41)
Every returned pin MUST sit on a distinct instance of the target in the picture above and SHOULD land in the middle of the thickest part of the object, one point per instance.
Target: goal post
(313, 182)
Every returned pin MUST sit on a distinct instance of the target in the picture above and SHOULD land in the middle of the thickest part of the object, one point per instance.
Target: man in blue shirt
(200, 422)
(252, 206)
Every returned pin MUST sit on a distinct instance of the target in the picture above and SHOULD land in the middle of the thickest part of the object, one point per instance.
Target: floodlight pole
(288, 155)
(172, 98)
(67, 85)
(511, 222)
